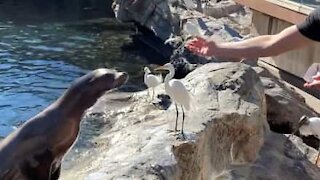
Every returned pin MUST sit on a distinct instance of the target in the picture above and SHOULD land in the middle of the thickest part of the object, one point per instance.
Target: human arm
(261, 46)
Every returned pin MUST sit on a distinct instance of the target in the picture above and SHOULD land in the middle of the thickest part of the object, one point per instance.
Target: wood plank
(298, 7)
(297, 61)
(311, 96)
(274, 10)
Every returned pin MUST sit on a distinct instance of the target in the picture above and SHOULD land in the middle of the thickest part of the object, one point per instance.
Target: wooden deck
(281, 9)
(271, 17)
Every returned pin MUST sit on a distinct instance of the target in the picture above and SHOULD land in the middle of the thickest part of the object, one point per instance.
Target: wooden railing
(282, 9)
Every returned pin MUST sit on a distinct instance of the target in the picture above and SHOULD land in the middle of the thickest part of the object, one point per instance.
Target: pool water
(38, 61)
(311, 3)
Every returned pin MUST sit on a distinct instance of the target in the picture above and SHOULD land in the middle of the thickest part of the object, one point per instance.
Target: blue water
(311, 3)
(39, 61)
(27, 86)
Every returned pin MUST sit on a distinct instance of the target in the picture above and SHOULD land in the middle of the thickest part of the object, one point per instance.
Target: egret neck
(168, 77)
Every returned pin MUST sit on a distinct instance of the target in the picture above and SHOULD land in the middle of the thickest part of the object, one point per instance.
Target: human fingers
(193, 43)
(203, 51)
(316, 77)
(193, 49)
(197, 41)
(312, 84)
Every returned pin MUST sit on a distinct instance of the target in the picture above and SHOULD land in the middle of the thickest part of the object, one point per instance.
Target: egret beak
(303, 120)
(161, 69)
(294, 132)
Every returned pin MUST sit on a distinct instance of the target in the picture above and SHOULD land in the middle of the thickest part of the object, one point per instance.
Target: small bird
(151, 80)
(310, 126)
(177, 92)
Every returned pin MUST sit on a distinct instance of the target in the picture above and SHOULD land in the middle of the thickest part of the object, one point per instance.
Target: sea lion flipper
(42, 169)
(56, 173)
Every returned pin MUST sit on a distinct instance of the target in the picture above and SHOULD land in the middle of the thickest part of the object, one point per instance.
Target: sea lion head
(85, 91)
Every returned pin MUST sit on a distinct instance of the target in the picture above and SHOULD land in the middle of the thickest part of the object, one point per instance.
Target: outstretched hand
(315, 83)
(201, 47)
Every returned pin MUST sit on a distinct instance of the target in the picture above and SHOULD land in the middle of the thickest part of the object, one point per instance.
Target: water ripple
(47, 48)
(29, 86)
(39, 62)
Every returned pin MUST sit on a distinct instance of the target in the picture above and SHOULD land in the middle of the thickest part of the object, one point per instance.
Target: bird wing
(160, 78)
(153, 81)
(179, 93)
(315, 126)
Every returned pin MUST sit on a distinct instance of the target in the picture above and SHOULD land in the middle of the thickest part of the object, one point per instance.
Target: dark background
(25, 11)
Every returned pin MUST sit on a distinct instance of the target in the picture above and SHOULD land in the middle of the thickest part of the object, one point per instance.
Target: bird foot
(157, 105)
(171, 131)
(181, 137)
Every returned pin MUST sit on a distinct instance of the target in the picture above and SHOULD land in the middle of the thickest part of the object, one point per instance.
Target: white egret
(177, 92)
(151, 80)
(310, 126)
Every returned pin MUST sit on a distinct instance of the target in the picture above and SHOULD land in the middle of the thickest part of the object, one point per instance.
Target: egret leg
(318, 154)
(152, 94)
(176, 126)
(183, 116)
(148, 93)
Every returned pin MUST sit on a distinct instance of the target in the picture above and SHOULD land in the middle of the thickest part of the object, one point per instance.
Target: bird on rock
(177, 92)
(310, 126)
(151, 80)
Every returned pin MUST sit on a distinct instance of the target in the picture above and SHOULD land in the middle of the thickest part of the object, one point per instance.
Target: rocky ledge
(227, 131)
(227, 134)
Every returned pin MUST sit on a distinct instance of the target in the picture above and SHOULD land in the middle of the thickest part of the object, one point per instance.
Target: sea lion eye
(111, 76)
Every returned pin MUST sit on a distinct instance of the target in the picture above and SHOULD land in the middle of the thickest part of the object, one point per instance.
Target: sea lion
(36, 149)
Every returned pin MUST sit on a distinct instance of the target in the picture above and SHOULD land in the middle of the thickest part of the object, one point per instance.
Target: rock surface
(226, 126)
(284, 105)
(278, 159)
(171, 17)
(227, 132)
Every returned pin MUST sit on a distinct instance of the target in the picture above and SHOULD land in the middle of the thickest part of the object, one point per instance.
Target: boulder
(278, 159)
(226, 126)
(164, 17)
(284, 105)
(222, 8)
(152, 14)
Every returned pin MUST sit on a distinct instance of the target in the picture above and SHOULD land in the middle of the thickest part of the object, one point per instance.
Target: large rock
(279, 159)
(226, 126)
(166, 17)
(222, 8)
(152, 14)
(284, 105)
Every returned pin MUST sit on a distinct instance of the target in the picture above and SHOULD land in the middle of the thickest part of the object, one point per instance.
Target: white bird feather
(177, 92)
(310, 126)
(151, 81)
